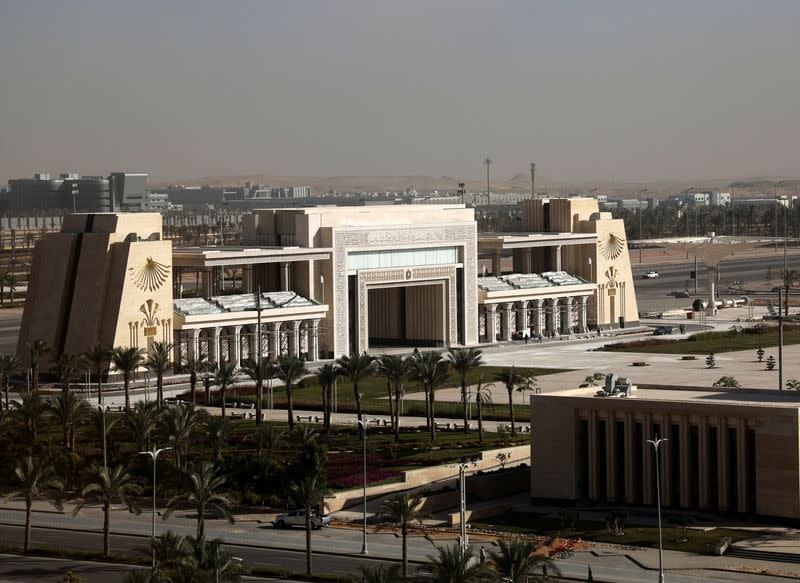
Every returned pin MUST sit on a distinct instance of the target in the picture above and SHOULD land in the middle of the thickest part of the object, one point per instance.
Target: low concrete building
(728, 450)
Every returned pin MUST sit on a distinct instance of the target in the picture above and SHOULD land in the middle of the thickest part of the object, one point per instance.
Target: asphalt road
(651, 294)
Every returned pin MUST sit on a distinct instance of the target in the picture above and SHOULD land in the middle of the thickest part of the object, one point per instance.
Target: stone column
(177, 343)
(285, 285)
(491, 322)
(552, 314)
(526, 261)
(647, 463)
(592, 452)
(236, 357)
(566, 315)
(294, 338)
(313, 340)
(702, 456)
(722, 464)
(537, 315)
(630, 478)
(496, 270)
(741, 463)
(685, 484)
(522, 316)
(193, 344)
(207, 283)
(274, 340)
(247, 280)
(667, 471)
(557, 258)
(505, 321)
(582, 321)
(214, 352)
(611, 456)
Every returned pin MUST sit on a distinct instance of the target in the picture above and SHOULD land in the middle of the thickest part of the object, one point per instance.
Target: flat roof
(522, 240)
(245, 255)
(710, 396)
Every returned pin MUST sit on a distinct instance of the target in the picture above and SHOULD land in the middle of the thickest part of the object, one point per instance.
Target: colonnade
(238, 342)
(707, 463)
(546, 316)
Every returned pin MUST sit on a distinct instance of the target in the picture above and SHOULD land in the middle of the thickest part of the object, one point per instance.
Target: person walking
(482, 554)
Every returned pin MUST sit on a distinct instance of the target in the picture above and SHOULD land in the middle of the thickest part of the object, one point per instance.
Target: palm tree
(464, 361)
(158, 361)
(10, 365)
(206, 490)
(69, 410)
(29, 411)
(224, 379)
(218, 431)
(209, 559)
(308, 492)
(356, 367)
(194, 366)
(258, 371)
(97, 357)
(269, 437)
(35, 480)
(289, 368)
(182, 422)
(383, 573)
(395, 369)
(64, 369)
(102, 424)
(170, 550)
(142, 422)
(37, 350)
(326, 377)
(789, 277)
(10, 279)
(431, 370)
(516, 558)
(483, 396)
(127, 361)
(513, 380)
(452, 564)
(403, 509)
(108, 486)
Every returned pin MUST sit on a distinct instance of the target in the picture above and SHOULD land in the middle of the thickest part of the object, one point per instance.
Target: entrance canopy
(711, 250)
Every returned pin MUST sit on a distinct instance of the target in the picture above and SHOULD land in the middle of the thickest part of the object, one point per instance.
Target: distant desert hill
(520, 182)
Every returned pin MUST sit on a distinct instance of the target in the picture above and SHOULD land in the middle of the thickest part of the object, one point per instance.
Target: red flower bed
(347, 470)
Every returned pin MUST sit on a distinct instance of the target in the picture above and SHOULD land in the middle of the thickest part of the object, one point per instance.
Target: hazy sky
(594, 89)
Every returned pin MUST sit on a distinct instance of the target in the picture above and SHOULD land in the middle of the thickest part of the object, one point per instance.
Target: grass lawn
(706, 342)
(700, 541)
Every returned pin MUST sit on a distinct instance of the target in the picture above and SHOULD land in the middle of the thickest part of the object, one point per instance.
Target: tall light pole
(533, 179)
(777, 184)
(462, 512)
(656, 443)
(639, 213)
(733, 208)
(154, 456)
(488, 162)
(363, 424)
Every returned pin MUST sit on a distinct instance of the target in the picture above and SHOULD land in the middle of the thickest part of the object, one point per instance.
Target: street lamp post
(639, 213)
(363, 424)
(656, 443)
(462, 510)
(154, 456)
(733, 209)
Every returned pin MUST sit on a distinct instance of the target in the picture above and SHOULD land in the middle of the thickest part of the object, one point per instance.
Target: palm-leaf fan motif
(612, 247)
(151, 275)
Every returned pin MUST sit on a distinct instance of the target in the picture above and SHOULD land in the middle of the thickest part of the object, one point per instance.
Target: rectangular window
(402, 258)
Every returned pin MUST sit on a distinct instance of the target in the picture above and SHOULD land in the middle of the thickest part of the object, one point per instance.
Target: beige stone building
(729, 450)
(331, 280)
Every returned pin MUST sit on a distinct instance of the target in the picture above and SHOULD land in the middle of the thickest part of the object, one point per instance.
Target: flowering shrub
(347, 470)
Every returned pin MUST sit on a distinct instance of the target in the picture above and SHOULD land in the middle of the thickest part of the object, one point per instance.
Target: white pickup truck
(298, 518)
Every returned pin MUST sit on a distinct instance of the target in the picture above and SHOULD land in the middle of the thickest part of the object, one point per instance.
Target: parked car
(662, 331)
(298, 518)
(650, 275)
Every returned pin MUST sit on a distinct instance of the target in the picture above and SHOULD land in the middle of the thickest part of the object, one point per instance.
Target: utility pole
(780, 336)
(733, 209)
(656, 443)
(488, 162)
(533, 179)
(639, 213)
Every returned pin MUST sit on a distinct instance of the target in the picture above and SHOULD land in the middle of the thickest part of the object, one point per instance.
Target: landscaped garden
(707, 342)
